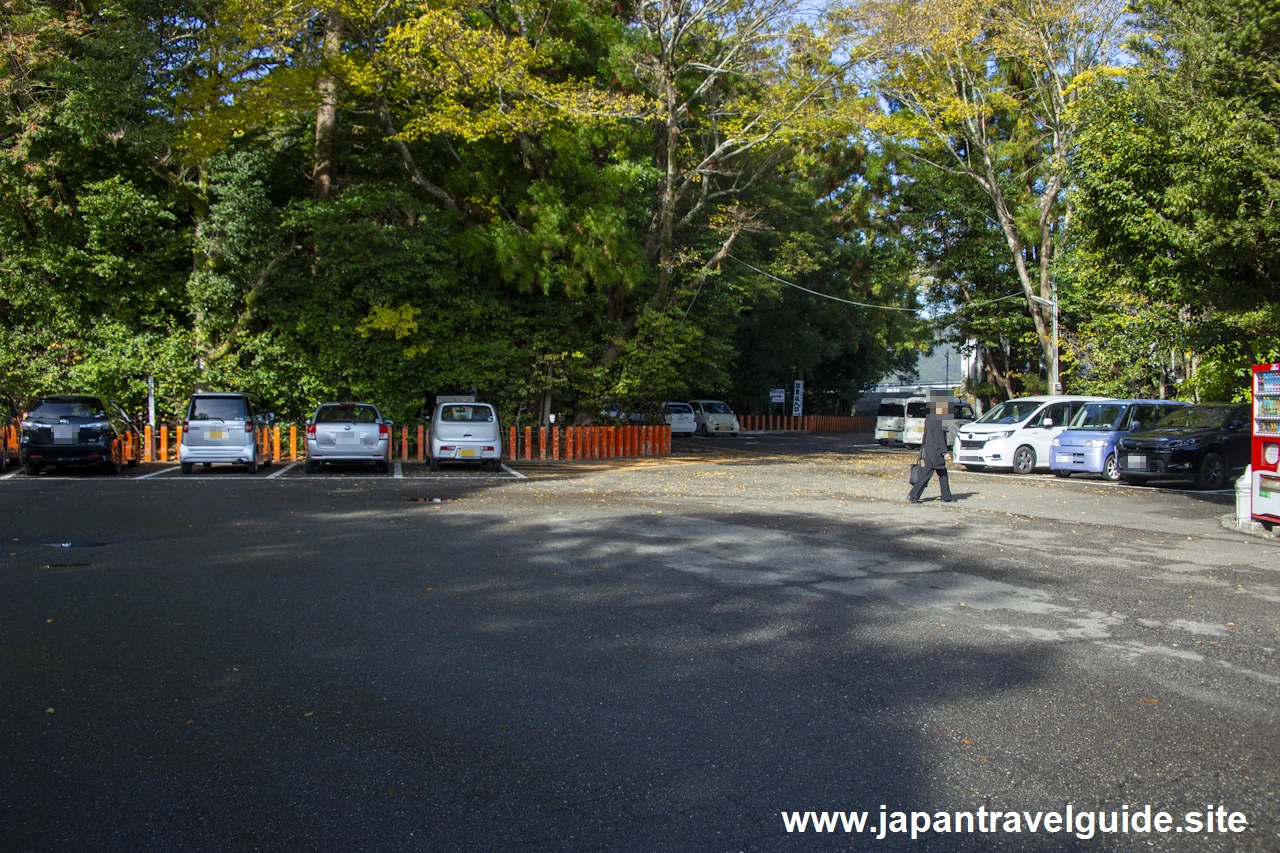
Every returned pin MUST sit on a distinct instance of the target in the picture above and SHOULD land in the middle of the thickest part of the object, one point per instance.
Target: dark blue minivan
(1088, 445)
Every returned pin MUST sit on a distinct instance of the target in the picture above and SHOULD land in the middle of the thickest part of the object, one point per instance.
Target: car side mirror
(391, 423)
(1046, 423)
(1238, 425)
(1136, 425)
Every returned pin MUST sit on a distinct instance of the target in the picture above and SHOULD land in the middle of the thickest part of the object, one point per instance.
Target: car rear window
(473, 414)
(678, 408)
(87, 407)
(218, 409)
(347, 414)
(890, 410)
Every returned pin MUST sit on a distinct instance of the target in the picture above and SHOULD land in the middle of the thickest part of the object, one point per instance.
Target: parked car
(713, 417)
(1208, 444)
(890, 419)
(681, 418)
(465, 432)
(74, 429)
(913, 425)
(1017, 434)
(223, 428)
(1088, 445)
(348, 432)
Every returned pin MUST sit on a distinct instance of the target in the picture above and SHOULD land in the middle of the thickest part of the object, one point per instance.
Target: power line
(862, 304)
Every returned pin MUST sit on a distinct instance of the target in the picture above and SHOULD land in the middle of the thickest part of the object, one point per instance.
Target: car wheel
(1063, 474)
(312, 466)
(207, 465)
(252, 467)
(1024, 460)
(497, 465)
(1111, 468)
(33, 469)
(1213, 471)
(383, 466)
(188, 467)
(4, 454)
(433, 464)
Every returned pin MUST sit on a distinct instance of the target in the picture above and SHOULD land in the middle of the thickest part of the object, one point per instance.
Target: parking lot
(626, 655)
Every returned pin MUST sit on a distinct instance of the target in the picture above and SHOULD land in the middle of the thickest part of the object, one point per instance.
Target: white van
(1017, 434)
(913, 426)
(889, 419)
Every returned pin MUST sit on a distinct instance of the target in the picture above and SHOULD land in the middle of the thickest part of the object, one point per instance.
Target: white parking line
(399, 475)
(15, 472)
(513, 472)
(155, 473)
(282, 471)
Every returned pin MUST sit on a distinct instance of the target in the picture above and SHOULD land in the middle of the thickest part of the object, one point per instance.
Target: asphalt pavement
(627, 655)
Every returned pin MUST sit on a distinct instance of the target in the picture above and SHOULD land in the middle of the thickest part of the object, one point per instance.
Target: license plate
(466, 453)
(66, 434)
(1064, 459)
(216, 434)
(347, 438)
(722, 427)
(1135, 461)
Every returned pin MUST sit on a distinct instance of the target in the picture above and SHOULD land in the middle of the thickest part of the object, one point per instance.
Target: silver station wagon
(348, 432)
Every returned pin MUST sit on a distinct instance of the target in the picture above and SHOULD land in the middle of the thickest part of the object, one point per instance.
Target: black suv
(75, 430)
(1207, 444)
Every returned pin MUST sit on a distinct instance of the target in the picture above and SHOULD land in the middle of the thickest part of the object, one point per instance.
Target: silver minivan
(223, 428)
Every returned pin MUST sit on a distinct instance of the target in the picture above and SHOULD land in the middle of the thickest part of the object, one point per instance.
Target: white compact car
(712, 417)
(466, 432)
(1017, 434)
(681, 418)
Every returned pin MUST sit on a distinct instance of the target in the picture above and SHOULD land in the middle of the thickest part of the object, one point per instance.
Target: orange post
(164, 443)
(511, 444)
(275, 443)
(568, 443)
(555, 442)
(404, 442)
(177, 441)
(147, 451)
(542, 443)
(293, 442)
(422, 443)
(528, 443)
(595, 442)
(610, 433)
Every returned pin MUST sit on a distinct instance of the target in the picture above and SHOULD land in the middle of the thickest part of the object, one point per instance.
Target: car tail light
(311, 429)
(248, 426)
(447, 447)
(383, 431)
(490, 447)
(184, 426)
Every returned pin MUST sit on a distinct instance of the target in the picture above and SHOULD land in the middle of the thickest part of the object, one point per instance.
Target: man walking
(933, 448)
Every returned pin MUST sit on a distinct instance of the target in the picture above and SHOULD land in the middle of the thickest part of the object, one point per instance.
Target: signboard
(797, 399)
(777, 395)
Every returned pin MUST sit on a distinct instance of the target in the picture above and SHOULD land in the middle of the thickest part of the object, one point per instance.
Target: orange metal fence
(285, 443)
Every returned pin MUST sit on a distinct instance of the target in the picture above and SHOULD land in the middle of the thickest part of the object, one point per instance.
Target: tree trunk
(326, 114)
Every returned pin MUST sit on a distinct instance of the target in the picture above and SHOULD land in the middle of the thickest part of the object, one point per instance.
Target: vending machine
(1266, 443)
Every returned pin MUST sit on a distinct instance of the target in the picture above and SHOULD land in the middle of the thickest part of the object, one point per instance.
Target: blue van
(1088, 445)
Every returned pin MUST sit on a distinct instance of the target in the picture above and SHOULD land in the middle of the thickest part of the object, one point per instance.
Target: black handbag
(917, 469)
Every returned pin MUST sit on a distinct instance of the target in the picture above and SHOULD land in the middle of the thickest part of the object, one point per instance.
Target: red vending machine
(1266, 443)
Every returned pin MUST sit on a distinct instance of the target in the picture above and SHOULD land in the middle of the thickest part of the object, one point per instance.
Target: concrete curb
(1249, 528)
